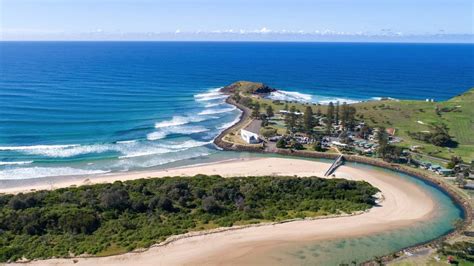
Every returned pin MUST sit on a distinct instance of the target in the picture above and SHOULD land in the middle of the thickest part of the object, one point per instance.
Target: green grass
(404, 116)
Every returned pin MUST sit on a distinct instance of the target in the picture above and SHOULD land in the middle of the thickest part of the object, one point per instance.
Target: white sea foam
(16, 163)
(179, 120)
(185, 145)
(126, 141)
(149, 152)
(229, 124)
(68, 150)
(36, 147)
(185, 130)
(209, 105)
(213, 94)
(290, 96)
(156, 135)
(217, 111)
(37, 172)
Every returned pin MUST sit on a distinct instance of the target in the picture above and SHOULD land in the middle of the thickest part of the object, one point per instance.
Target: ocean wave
(65, 151)
(209, 105)
(159, 160)
(179, 120)
(213, 94)
(184, 130)
(126, 141)
(156, 135)
(290, 96)
(229, 124)
(36, 147)
(38, 172)
(217, 111)
(16, 163)
(186, 144)
(145, 153)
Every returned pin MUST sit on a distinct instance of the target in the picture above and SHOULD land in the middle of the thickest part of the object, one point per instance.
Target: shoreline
(405, 204)
(219, 142)
(463, 203)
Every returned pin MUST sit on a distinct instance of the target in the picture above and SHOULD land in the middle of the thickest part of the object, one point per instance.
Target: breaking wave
(15, 163)
(184, 130)
(217, 111)
(179, 120)
(213, 94)
(37, 172)
(290, 96)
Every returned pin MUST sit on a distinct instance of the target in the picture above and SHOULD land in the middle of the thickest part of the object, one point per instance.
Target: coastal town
(271, 125)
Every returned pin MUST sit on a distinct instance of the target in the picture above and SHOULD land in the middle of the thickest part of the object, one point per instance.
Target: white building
(249, 137)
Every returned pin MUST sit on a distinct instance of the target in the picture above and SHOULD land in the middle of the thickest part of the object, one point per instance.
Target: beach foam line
(290, 96)
(229, 124)
(36, 147)
(179, 120)
(38, 172)
(217, 111)
(212, 94)
(184, 130)
(16, 163)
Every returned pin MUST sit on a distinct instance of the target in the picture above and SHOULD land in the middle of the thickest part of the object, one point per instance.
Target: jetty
(338, 162)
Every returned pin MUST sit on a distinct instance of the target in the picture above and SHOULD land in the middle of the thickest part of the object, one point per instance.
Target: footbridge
(338, 162)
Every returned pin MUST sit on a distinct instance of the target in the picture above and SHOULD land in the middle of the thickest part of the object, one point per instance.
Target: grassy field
(416, 116)
(413, 116)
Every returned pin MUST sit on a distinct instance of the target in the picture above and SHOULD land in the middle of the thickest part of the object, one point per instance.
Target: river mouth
(294, 247)
(359, 249)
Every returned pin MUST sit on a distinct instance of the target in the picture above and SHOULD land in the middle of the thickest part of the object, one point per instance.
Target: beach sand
(404, 204)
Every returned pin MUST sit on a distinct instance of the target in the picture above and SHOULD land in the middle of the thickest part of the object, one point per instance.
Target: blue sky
(129, 18)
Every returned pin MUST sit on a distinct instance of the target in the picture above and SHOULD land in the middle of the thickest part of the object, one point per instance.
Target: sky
(235, 19)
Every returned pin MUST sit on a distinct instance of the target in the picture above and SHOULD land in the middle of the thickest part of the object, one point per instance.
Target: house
(445, 172)
(249, 137)
(284, 112)
(250, 133)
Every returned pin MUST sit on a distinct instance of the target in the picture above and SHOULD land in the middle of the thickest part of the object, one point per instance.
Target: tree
(336, 114)
(286, 107)
(318, 112)
(308, 119)
(281, 143)
(237, 97)
(268, 132)
(460, 180)
(209, 204)
(317, 146)
(297, 146)
(455, 160)
(290, 118)
(269, 111)
(329, 117)
(256, 110)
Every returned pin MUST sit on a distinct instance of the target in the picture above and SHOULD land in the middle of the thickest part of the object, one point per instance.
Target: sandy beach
(404, 204)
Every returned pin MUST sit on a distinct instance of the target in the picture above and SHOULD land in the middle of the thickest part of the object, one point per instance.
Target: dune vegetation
(106, 219)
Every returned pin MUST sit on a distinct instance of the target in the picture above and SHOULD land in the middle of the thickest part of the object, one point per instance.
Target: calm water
(360, 249)
(88, 107)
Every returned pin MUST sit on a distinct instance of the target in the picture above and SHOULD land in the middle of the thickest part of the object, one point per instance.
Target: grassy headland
(407, 117)
(106, 219)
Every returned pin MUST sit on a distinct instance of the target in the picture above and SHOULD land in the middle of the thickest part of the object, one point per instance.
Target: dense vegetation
(107, 219)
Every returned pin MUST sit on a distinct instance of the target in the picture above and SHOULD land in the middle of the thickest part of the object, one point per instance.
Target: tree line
(112, 218)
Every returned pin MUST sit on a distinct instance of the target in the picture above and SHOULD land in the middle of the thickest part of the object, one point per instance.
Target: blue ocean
(79, 108)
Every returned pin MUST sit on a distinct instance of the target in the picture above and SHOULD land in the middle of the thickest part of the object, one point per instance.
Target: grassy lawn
(413, 116)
